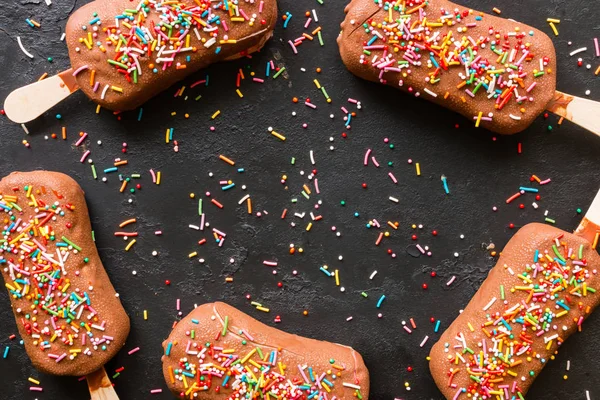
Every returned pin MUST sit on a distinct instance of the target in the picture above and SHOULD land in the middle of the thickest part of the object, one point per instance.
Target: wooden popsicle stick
(100, 386)
(29, 102)
(589, 226)
(583, 112)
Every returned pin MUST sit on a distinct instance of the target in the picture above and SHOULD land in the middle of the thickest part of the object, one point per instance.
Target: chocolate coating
(518, 370)
(207, 322)
(76, 276)
(352, 40)
(249, 39)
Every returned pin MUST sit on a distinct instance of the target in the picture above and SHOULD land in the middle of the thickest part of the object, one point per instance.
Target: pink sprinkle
(224, 26)
(193, 85)
(407, 329)
(154, 391)
(544, 182)
(344, 110)
(178, 304)
(459, 392)
(84, 156)
(130, 352)
(153, 176)
(375, 161)
(35, 389)
(80, 69)
(258, 80)
(308, 21)
(530, 88)
(421, 249)
(294, 49)
(59, 359)
(260, 6)
(424, 341)
(393, 178)
(270, 263)
(451, 280)
(317, 186)
(81, 139)
(306, 103)
(350, 100)
(367, 156)
(96, 86)
(597, 47)
(158, 233)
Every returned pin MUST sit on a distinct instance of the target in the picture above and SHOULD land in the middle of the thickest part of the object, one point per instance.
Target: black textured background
(482, 172)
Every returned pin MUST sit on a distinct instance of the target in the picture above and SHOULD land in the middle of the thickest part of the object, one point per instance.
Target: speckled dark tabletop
(482, 171)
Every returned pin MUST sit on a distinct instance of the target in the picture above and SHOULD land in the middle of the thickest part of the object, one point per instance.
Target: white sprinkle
(488, 305)
(349, 319)
(578, 51)
(587, 395)
(515, 117)
(429, 92)
(351, 385)
(25, 128)
(424, 341)
(546, 213)
(568, 364)
(104, 92)
(48, 2)
(28, 54)
(373, 275)
(312, 158)
(535, 205)
(196, 227)
(395, 200)
(315, 15)
(63, 36)
(243, 199)
(451, 280)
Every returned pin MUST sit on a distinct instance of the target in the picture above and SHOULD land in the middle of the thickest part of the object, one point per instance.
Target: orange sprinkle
(127, 222)
(44, 75)
(216, 203)
(122, 162)
(227, 160)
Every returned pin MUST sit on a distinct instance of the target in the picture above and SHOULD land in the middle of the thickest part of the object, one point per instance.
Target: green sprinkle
(225, 326)
(539, 74)
(580, 251)
(320, 37)
(556, 251)
(200, 207)
(116, 375)
(305, 195)
(260, 353)
(136, 176)
(364, 294)
(293, 160)
(278, 72)
(502, 292)
(198, 98)
(324, 92)
(94, 172)
(113, 62)
(16, 206)
(550, 220)
(93, 236)
(71, 243)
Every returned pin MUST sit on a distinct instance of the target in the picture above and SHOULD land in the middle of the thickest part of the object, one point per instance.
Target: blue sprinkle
(437, 326)
(381, 299)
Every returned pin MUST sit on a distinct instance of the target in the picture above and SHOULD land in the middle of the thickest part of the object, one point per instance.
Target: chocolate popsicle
(496, 72)
(124, 52)
(218, 352)
(539, 293)
(65, 307)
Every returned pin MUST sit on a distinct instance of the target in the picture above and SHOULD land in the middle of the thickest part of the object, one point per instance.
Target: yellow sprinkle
(309, 226)
(247, 356)
(237, 19)
(554, 28)
(145, 314)
(34, 381)
(117, 89)
(549, 345)
(317, 84)
(560, 314)
(337, 277)
(194, 254)
(418, 169)
(280, 368)
(229, 279)
(130, 244)
(553, 20)
(478, 119)
(239, 93)
(158, 178)
(263, 309)
(216, 114)
(278, 135)
(470, 327)
(496, 10)
(98, 108)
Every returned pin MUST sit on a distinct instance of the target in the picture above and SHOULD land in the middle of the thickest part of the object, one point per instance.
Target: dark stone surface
(481, 173)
